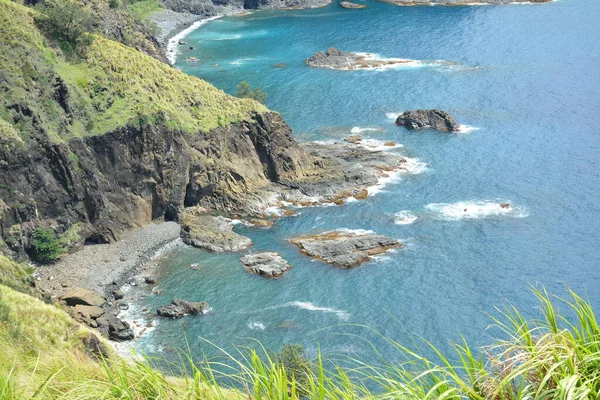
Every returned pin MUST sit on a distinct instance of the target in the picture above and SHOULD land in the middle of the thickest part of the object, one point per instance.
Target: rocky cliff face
(137, 174)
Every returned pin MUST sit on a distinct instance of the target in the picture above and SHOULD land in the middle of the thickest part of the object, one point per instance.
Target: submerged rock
(179, 308)
(268, 264)
(337, 59)
(345, 249)
(211, 233)
(434, 119)
(348, 4)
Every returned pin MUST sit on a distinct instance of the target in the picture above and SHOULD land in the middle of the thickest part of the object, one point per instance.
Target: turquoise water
(527, 78)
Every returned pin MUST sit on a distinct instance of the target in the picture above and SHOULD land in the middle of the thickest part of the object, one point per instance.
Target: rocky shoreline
(105, 267)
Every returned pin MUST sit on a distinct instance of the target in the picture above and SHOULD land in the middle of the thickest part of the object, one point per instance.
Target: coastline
(105, 267)
(172, 45)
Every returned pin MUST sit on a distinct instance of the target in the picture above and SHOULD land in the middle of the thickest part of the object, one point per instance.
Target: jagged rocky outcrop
(267, 264)
(345, 249)
(91, 309)
(422, 119)
(179, 308)
(342, 60)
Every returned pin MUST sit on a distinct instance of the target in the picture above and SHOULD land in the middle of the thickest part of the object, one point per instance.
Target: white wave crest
(393, 115)
(477, 209)
(256, 326)
(467, 129)
(358, 129)
(405, 217)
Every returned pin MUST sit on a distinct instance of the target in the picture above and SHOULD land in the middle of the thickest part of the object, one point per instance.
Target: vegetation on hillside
(244, 91)
(100, 87)
(44, 356)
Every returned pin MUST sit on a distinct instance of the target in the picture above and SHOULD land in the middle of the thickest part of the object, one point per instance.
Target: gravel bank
(96, 266)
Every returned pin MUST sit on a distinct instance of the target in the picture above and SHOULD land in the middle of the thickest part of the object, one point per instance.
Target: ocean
(522, 78)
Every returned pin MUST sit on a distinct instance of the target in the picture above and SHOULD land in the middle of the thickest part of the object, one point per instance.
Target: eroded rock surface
(422, 119)
(268, 264)
(345, 249)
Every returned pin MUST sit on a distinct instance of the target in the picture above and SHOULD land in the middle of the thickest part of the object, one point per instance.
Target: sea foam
(477, 209)
(404, 217)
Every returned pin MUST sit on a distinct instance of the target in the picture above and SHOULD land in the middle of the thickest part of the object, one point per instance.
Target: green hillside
(101, 86)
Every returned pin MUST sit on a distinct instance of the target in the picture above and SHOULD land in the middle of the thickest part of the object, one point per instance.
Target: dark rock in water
(84, 297)
(191, 47)
(268, 264)
(434, 119)
(123, 306)
(179, 308)
(348, 4)
(353, 139)
(118, 294)
(337, 59)
(345, 249)
(280, 65)
(505, 205)
(150, 281)
(116, 328)
(211, 233)
(181, 43)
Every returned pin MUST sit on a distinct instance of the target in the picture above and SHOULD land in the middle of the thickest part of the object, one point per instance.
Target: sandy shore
(97, 266)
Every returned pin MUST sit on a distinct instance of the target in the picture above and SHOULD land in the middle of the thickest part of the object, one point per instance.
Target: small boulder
(94, 346)
(116, 328)
(268, 264)
(84, 297)
(353, 139)
(505, 205)
(118, 294)
(150, 281)
(179, 308)
(422, 119)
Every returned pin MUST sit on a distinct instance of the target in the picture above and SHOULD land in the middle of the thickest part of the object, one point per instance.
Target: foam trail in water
(404, 217)
(393, 115)
(477, 209)
(306, 305)
(359, 129)
(467, 129)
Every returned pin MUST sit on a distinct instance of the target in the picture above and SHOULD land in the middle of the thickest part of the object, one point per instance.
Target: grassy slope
(110, 85)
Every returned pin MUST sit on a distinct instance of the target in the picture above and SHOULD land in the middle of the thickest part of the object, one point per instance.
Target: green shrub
(46, 246)
(64, 20)
(244, 91)
(114, 3)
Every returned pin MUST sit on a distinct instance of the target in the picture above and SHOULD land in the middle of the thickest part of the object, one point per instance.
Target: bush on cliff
(64, 20)
(46, 246)
(244, 91)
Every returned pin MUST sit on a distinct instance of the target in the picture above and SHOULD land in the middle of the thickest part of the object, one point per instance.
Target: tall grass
(553, 357)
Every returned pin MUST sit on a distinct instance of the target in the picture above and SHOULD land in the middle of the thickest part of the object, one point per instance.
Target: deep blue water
(528, 79)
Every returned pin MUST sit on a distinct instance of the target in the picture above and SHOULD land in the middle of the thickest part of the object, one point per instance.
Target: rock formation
(434, 119)
(349, 4)
(345, 249)
(211, 233)
(337, 59)
(179, 308)
(268, 264)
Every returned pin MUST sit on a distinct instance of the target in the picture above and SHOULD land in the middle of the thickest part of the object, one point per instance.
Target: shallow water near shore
(526, 77)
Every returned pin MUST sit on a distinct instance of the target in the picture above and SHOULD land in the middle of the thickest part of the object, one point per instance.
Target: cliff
(110, 138)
